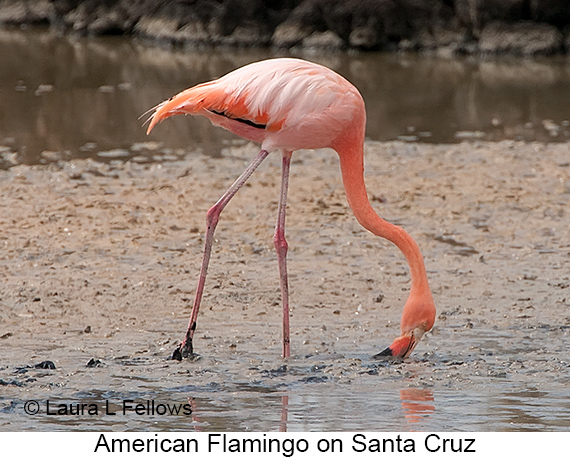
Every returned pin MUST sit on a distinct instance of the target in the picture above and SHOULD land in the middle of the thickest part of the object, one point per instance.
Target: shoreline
(480, 27)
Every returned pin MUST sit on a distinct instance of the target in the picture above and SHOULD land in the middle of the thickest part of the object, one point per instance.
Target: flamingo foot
(184, 350)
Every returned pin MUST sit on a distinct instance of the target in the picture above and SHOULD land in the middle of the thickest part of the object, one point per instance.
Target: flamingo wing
(279, 102)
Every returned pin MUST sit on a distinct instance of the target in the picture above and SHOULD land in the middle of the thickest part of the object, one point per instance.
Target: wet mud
(100, 261)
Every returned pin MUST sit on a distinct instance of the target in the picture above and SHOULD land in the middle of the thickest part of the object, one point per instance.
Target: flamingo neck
(352, 170)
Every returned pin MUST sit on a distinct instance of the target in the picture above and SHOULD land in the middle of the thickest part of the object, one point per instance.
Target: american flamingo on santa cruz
(289, 104)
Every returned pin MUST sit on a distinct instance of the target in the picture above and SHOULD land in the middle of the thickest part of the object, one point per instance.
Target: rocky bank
(519, 27)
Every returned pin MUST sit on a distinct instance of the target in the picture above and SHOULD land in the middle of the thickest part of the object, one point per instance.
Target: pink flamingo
(289, 104)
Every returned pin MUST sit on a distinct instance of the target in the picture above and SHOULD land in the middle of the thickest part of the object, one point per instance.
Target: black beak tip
(385, 353)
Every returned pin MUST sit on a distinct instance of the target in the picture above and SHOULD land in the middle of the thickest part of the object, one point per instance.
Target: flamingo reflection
(417, 404)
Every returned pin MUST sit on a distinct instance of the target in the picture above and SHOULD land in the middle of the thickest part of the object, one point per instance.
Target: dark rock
(554, 12)
(26, 12)
(523, 27)
(289, 35)
(94, 363)
(323, 40)
(524, 38)
(45, 365)
(364, 38)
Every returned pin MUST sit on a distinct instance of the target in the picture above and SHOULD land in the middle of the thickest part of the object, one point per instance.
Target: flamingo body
(281, 103)
(289, 104)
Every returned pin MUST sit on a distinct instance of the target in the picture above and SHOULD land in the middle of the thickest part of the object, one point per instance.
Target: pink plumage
(302, 105)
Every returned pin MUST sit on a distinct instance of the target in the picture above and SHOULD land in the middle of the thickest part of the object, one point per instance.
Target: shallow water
(114, 247)
(62, 98)
(472, 390)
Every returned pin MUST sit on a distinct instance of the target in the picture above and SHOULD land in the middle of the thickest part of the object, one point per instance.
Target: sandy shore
(116, 247)
(101, 260)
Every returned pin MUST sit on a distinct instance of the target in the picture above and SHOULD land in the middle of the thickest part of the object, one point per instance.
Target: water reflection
(195, 417)
(369, 403)
(417, 404)
(284, 413)
(61, 97)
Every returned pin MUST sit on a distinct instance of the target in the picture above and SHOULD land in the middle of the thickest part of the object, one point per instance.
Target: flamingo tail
(189, 101)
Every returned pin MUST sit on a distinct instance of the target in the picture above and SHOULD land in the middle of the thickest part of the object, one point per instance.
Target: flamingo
(288, 104)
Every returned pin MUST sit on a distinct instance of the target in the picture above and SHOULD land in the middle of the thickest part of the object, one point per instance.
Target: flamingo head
(403, 345)
(418, 318)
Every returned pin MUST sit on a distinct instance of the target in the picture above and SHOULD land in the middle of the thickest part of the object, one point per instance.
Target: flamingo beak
(402, 346)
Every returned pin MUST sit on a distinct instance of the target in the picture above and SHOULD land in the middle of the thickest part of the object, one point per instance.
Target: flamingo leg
(281, 247)
(186, 348)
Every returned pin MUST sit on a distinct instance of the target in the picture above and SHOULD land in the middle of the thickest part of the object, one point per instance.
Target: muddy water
(66, 98)
(100, 257)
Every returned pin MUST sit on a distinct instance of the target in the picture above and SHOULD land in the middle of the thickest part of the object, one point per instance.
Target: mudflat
(100, 261)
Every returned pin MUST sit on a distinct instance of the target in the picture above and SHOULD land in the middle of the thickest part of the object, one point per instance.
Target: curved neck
(352, 169)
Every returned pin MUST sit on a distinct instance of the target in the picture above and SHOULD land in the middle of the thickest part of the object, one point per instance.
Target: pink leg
(281, 247)
(186, 348)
